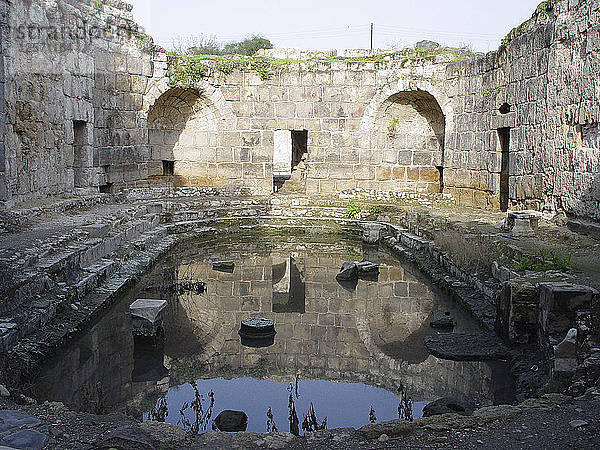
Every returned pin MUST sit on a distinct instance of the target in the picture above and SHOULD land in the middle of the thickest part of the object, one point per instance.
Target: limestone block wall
(5, 194)
(355, 138)
(541, 92)
(70, 71)
(515, 128)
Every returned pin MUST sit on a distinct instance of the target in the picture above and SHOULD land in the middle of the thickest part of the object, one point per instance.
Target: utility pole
(371, 36)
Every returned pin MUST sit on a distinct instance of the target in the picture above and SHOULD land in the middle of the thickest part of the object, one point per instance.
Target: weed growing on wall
(146, 44)
(543, 8)
(185, 70)
(353, 210)
(375, 210)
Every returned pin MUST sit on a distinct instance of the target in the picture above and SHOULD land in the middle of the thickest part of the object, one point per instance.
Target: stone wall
(5, 194)
(71, 105)
(541, 88)
(515, 128)
(361, 132)
(423, 126)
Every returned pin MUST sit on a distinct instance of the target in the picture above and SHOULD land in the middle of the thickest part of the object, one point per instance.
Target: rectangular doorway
(299, 146)
(290, 148)
(504, 138)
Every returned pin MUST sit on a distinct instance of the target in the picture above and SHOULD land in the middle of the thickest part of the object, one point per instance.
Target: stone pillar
(517, 312)
(147, 317)
(371, 232)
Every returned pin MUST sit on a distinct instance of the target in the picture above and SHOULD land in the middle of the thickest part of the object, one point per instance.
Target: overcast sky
(328, 24)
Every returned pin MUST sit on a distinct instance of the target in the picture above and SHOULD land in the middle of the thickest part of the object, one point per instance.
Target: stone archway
(410, 129)
(182, 134)
(185, 131)
(409, 120)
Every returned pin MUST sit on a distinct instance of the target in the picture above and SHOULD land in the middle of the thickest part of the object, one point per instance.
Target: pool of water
(340, 404)
(343, 348)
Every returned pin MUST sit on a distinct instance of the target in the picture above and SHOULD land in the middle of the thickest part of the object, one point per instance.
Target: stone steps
(31, 349)
(61, 280)
(296, 183)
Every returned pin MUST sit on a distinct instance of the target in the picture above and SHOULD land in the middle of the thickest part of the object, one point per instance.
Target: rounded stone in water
(257, 327)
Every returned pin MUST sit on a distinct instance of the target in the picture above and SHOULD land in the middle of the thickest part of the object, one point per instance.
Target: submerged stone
(149, 309)
(348, 285)
(147, 317)
(231, 421)
(368, 268)
(257, 328)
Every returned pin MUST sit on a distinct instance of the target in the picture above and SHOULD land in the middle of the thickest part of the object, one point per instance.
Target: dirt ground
(552, 422)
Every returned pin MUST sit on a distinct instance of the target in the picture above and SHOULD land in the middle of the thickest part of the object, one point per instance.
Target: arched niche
(410, 128)
(182, 127)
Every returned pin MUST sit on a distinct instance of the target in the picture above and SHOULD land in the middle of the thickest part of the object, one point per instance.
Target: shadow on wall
(410, 129)
(182, 136)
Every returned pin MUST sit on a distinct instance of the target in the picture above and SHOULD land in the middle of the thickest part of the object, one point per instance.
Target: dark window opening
(441, 171)
(288, 159)
(106, 188)
(505, 108)
(168, 168)
(589, 135)
(504, 137)
(79, 152)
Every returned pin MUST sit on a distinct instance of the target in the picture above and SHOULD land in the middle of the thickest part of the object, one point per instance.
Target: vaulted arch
(410, 133)
(182, 133)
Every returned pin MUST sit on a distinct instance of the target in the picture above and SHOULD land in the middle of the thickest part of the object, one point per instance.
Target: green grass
(547, 260)
(185, 70)
(375, 210)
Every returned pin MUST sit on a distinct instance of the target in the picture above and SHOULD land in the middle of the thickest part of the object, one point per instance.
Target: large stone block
(517, 312)
(559, 304)
(147, 316)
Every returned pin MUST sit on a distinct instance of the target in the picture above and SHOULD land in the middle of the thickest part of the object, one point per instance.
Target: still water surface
(350, 346)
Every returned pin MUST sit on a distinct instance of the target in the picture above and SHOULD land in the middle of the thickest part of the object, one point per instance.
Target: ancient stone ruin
(113, 152)
(90, 106)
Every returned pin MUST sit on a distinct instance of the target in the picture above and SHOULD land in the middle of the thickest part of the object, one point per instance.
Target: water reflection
(288, 285)
(372, 334)
(148, 362)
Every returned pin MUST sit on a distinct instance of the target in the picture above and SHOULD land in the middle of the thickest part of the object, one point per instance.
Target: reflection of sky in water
(344, 404)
